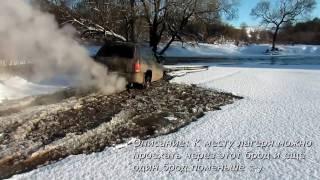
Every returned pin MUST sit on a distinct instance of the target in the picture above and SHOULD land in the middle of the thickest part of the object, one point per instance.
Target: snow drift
(16, 87)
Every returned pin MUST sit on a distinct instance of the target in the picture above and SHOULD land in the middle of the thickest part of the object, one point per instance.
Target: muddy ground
(40, 130)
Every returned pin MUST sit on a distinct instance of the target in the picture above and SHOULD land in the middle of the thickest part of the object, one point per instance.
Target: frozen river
(281, 105)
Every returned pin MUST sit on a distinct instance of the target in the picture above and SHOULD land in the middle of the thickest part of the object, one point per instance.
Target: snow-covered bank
(279, 105)
(230, 50)
(16, 87)
(203, 50)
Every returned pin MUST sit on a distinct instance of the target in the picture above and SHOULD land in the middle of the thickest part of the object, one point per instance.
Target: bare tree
(90, 17)
(132, 20)
(183, 11)
(244, 32)
(99, 17)
(281, 12)
(170, 17)
(178, 19)
(160, 20)
(155, 13)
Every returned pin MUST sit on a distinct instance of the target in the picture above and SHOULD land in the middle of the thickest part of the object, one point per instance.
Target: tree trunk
(274, 39)
(155, 36)
(167, 45)
(153, 39)
(132, 21)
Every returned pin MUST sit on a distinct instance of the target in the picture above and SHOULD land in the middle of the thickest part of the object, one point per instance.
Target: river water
(248, 60)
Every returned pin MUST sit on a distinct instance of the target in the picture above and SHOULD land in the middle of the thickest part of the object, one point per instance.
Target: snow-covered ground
(16, 87)
(279, 105)
(203, 50)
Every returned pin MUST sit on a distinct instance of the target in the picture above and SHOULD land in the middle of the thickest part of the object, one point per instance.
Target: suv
(137, 63)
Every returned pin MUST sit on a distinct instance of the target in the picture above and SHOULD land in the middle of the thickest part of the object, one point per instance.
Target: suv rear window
(118, 50)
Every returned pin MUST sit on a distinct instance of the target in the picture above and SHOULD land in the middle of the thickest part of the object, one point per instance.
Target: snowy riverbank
(231, 50)
(224, 50)
(16, 87)
(279, 105)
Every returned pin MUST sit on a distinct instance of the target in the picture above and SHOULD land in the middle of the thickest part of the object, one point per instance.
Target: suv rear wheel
(147, 79)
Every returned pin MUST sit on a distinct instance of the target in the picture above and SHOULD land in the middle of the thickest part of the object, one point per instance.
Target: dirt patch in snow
(48, 128)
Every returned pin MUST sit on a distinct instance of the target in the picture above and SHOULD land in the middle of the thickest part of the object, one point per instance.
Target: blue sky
(245, 9)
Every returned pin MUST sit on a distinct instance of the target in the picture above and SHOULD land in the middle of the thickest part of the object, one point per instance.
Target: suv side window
(119, 50)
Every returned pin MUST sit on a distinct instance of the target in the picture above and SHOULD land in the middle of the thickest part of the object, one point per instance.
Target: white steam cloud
(28, 33)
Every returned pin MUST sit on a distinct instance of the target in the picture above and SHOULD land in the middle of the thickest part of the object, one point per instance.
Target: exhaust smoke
(26, 33)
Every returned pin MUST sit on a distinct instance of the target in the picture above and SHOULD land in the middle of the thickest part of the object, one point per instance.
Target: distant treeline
(304, 32)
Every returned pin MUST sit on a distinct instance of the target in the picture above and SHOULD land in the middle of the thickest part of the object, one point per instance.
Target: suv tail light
(137, 67)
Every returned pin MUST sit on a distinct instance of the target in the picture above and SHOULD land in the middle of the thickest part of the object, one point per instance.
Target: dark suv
(137, 63)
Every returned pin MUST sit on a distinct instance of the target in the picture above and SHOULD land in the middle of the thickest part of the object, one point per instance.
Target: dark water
(249, 60)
